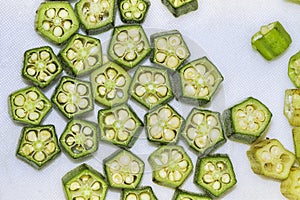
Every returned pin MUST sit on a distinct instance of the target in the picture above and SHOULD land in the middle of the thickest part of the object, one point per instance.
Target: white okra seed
(112, 94)
(125, 5)
(174, 41)
(70, 140)
(137, 14)
(96, 186)
(78, 44)
(67, 24)
(208, 178)
(46, 25)
(140, 47)
(128, 14)
(95, 197)
(123, 135)
(27, 149)
(44, 55)
(211, 121)
(114, 166)
(19, 100)
(40, 105)
(50, 13)
(117, 178)
(58, 31)
(63, 13)
(162, 173)
(100, 79)
(120, 81)
(152, 99)
(156, 132)
(87, 131)
(174, 122)
(214, 134)
(140, 90)
(153, 119)
(164, 157)
(70, 108)
(210, 80)
(68, 87)
(44, 135)
(31, 136)
(169, 135)
(198, 118)
(200, 68)
(110, 134)
(129, 179)
(91, 60)
(275, 150)
(141, 6)
(134, 34)
(20, 112)
(216, 185)
(225, 178)
(181, 52)
(183, 164)
(79, 65)
(189, 73)
(122, 114)
(145, 78)
(201, 142)
(33, 95)
(109, 120)
(111, 73)
(74, 186)
(82, 89)
(192, 133)
(33, 116)
(50, 148)
(172, 62)
(145, 196)
(160, 57)
(131, 55)
(89, 143)
(124, 160)
(177, 175)
(51, 67)
(161, 44)
(102, 90)
(71, 54)
(164, 114)
(122, 36)
(39, 156)
(62, 98)
(34, 57)
(130, 124)
(134, 167)
(190, 90)
(203, 91)
(131, 197)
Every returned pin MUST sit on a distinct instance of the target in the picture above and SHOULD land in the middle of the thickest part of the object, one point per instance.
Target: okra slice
(73, 97)
(163, 125)
(290, 186)
(96, 16)
(124, 170)
(292, 106)
(170, 165)
(38, 145)
(185, 195)
(82, 54)
(294, 69)
(215, 174)
(133, 11)
(247, 121)
(144, 193)
(119, 125)
(269, 158)
(271, 40)
(129, 45)
(151, 87)
(84, 183)
(80, 138)
(29, 105)
(178, 8)
(41, 66)
(169, 49)
(203, 130)
(110, 84)
(296, 140)
(56, 21)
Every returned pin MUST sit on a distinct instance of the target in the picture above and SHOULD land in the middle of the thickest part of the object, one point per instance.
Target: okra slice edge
(180, 194)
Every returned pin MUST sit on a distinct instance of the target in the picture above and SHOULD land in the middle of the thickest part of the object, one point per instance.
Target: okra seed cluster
(91, 9)
(250, 118)
(133, 9)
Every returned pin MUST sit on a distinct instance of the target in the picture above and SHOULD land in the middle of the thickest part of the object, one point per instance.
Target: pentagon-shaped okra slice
(163, 125)
(170, 165)
(41, 66)
(110, 84)
(296, 141)
(119, 125)
(81, 55)
(73, 97)
(29, 105)
(129, 45)
(133, 11)
(124, 170)
(151, 87)
(294, 69)
(290, 186)
(38, 145)
(178, 8)
(80, 138)
(185, 195)
(84, 183)
(247, 121)
(96, 16)
(203, 130)
(143, 193)
(56, 21)
(292, 106)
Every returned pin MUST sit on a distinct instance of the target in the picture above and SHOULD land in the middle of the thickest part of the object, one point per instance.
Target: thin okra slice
(290, 186)
(29, 105)
(84, 183)
(294, 69)
(292, 106)
(38, 145)
(133, 11)
(143, 193)
(41, 66)
(178, 8)
(170, 165)
(296, 141)
(123, 170)
(185, 195)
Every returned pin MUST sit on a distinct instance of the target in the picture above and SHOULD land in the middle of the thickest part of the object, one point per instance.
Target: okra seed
(102, 90)
(33, 116)
(68, 87)
(19, 100)
(153, 120)
(50, 148)
(275, 150)
(75, 128)
(203, 91)
(122, 36)
(174, 122)
(111, 94)
(44, 55)
(82, 89)
(192, 133)
(208, 178)
(176, 155)
(152, 99)
(74, 186)
(141, 6)
(210, 80)
(63, 13)
(169, 135)
(214, 135)
(79, 198)
(120, 81)
(33, 95)
(125, 6)
(44, 135)
(117, 178)
(79, 65)
(201, 142)
(145, 78)
(20, 112)
(100, 79)
(209, 167)
(156, 132)
(177, 175)
(58, 31)
(67, 24)
(164, 158)
(111, 73)
(183, 164)
(110, 134)
(95, 198)
(130, 124)
(212, 121)
(70, 108)
(221, 166)
(128, 14)
(162, 173)
(70, 140)
(91, 60)
(31, 71)
(123, 135)
(174, 41)
(129, 179)
(109, 120)
(119, 50)
(225, 178)
(78, 44)
(145, 196)
(114, 166)
(279, 167)
(190, 90)
(172, 61)
(135, 167)
(131, 197)
(52, 67)
(130, 56)
(160, 57)
(140, 90)
(50, 13)
(39, 156)
(181, 52)
(87, 131)
(200, 68)
(96, 186)
(135, 34)
(85, 178)
(46, 25)
(198, 118)
(164, 114)
(27, 149)
(125, 160)
(216, 185)
(137, 14)
(161, 44)
(189, 73)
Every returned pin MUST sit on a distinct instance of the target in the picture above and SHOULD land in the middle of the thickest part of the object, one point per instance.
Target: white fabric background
(222, 27)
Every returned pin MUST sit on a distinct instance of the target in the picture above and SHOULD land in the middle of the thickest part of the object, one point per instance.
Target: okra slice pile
(81, 55)
(292, 106)
(170, 165)
(184, 195)
(29, 105)
(119, 125)
(56, 21)
(41, 66)
(215, 174)
(84, 183)
(151, 87)
(296, 141)
(290, 186)
(178, 8)
(133, 11)
(294, 69)
(38, 145)
(144, 193)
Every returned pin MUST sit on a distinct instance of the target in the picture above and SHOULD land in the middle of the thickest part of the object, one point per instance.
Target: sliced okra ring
(38, 145)
(151, 87)
(82, 54)
(178, 8)
(185, 195)
(294, 69)
(73, 97)
(269, 158)
(292, 106)
(29, 105)
(247, 121)
(56, 21)
(290, 186)
(144, 193)
(123, 170)
(41, 66)
(133, 11)
(84, 183)
(170, 166)
(296, 141)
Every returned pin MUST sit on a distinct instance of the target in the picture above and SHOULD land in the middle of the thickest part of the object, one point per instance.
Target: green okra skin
(290, 186)
(133, 12)
(296, 141)
(185, 195)
(292, 106)
(143, 193)
(178, 8)
(294, 69)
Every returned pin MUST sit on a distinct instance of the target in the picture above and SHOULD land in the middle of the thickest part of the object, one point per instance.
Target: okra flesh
(292, 106)
(296, 141)
(133, 11)
(178, 8)
(294, 69)
(144, 193)
(290, 186)
(184, 195)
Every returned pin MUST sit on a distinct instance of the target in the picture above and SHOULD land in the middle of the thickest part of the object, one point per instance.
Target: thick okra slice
(96, 16)
(296, 140)
(41, 66)
(144, 193)
(163, 125)
(110, 84)
(82, 54)
(29, 105)
(56, 21)
(271, 41)
(178, 8)
(215, 174)
(269, 158)
(170, 165)
(38, 145)
(84, 183)
(247, 121)
(203, 130)
(292, 106)
(133, 11)
(294, 69)
(73, 97)
(129, 45)
(80, 138)
(184, 195)
(151, 87)
(124, 170)
(290, 186)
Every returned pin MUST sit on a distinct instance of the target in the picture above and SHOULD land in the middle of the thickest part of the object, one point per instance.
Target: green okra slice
(271, 41)
(296, 141)
(185, 195)
(84, 183)
(41, 66)
(38, 145)
(170, 165)
(290, 186)
(81, 55)
(292, 106)
(143, 193)
(247, 121)
(215, 174)
(294, 69)
(268, 157)
(178, 8)
(133, 11)
(56, 21)
(29, 105)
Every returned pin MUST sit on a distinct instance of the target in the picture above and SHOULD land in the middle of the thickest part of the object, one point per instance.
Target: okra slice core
(144, 193)
(292, 106)
(133, 11)
(290, 186)
(178, 8)
(294, 69)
